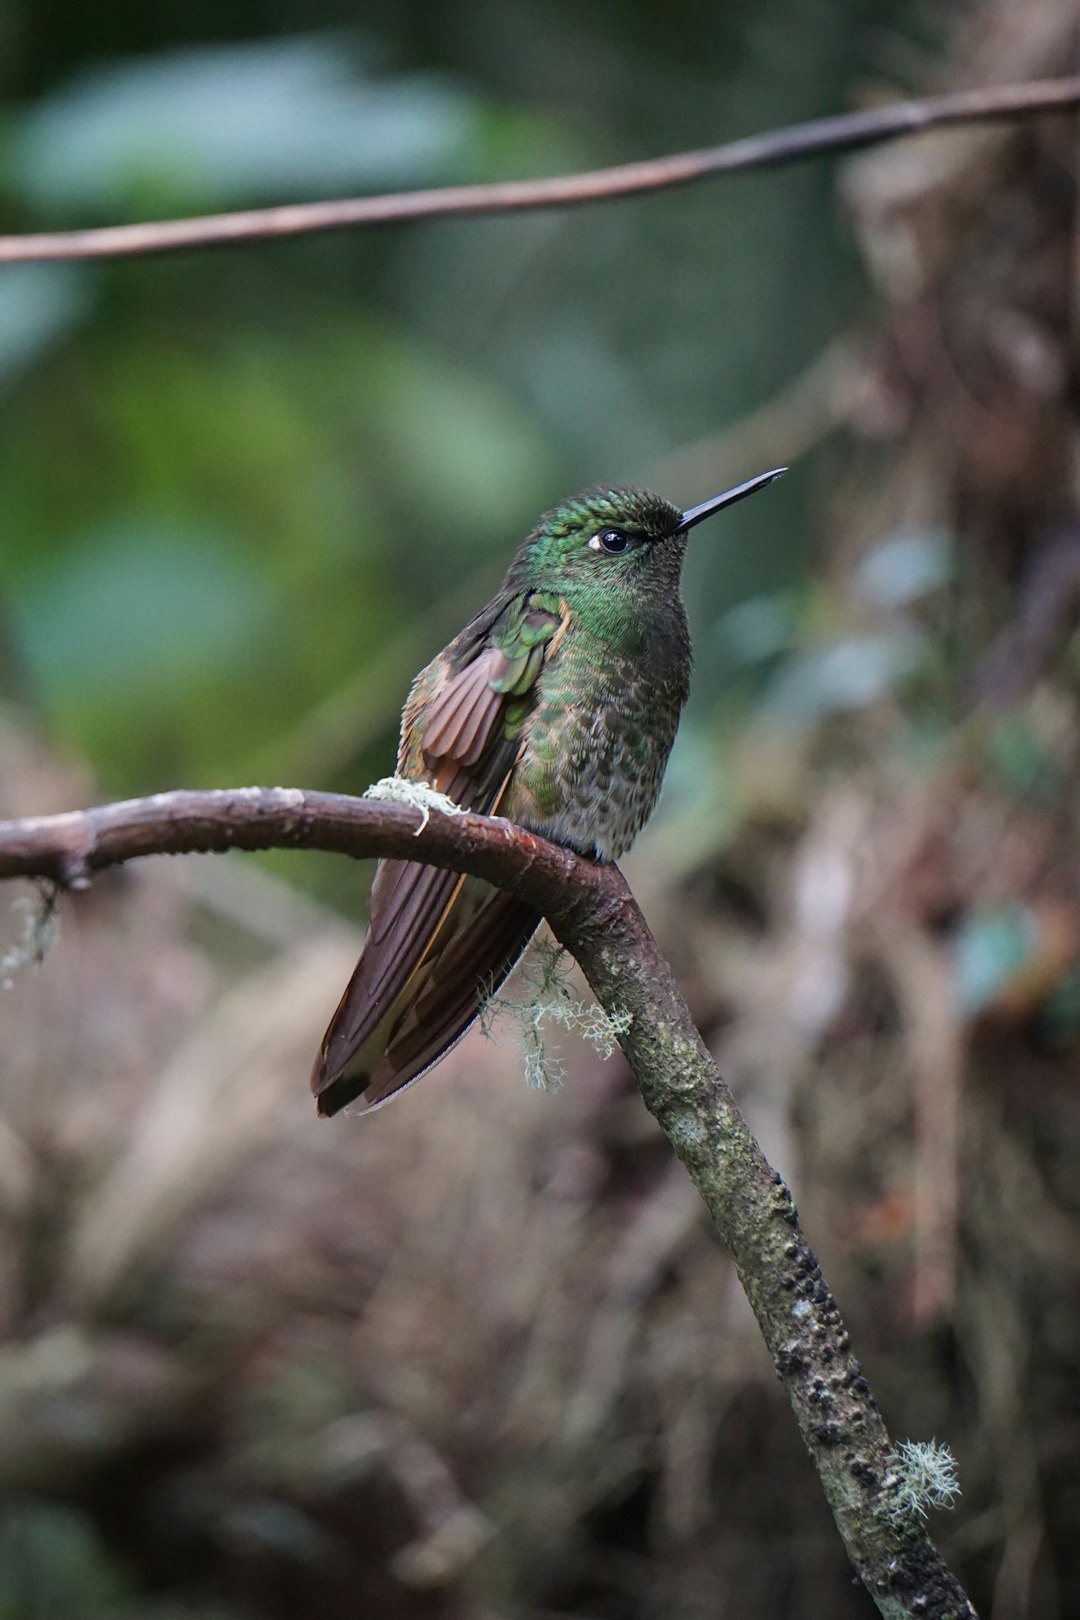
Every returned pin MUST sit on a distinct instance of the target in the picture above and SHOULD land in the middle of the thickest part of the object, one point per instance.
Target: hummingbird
(555, 707)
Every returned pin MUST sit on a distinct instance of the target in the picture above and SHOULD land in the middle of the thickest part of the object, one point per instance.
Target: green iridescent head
(603, 537)
(616, 539)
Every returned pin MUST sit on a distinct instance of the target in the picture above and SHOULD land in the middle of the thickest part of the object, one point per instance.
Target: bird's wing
(436, 940)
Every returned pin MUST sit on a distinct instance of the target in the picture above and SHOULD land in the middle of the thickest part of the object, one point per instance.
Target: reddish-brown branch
(70, 847)
(594, 914)
(841, 134)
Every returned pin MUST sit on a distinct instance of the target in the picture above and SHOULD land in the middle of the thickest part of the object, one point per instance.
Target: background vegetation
(481, 1357)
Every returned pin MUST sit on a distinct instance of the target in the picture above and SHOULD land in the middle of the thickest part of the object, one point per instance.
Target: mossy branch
(593, 913)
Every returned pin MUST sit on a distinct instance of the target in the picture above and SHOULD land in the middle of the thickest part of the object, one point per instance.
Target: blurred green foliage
(240, 487)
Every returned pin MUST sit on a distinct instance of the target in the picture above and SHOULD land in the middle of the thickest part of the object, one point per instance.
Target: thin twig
(841, 134)
(593, 913)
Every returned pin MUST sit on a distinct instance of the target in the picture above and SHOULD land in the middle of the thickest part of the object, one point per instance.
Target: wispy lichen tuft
(40, 931)
(399, 790)
(545, 974)
(927, 1478)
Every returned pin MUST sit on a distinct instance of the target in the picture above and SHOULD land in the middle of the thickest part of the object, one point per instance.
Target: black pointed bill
(697, 514)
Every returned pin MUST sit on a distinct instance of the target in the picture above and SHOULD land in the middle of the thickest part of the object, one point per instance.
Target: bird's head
(617, 540)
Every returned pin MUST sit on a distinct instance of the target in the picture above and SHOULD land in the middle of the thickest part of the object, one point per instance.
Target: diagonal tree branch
(594, 914)
(845, 133)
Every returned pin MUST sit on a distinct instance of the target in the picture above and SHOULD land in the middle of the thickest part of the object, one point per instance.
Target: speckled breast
(597, 744)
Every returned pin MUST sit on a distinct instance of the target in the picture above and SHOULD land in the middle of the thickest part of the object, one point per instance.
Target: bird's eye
(613, 541)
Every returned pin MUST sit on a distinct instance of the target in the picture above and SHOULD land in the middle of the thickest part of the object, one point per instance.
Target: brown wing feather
(460, 718)
(416, 914)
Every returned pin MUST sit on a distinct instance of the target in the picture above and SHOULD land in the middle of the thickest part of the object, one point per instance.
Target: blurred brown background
(480, 1356)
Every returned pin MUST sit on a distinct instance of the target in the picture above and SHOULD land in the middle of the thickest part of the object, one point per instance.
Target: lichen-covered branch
(593, 913)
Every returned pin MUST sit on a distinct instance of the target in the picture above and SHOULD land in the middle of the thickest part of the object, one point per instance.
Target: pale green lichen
(40, 931)
(927, 1473)
(550, 1000)
(399, 790)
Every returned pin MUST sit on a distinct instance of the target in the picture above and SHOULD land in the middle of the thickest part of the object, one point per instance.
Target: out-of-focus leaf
(1004, 953)
(278, 117)
(38, 304)
(848, 674)
(576, 379)
(903, 568)
(1060, 1022)
(990, 949)
(140, 605)
(1024, 757)
(52, 1564)
(460, 448)
(265, 1525)
(757, 629)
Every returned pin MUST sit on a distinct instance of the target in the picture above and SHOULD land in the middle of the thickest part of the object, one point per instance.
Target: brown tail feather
(484, 934)
(408, 903)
